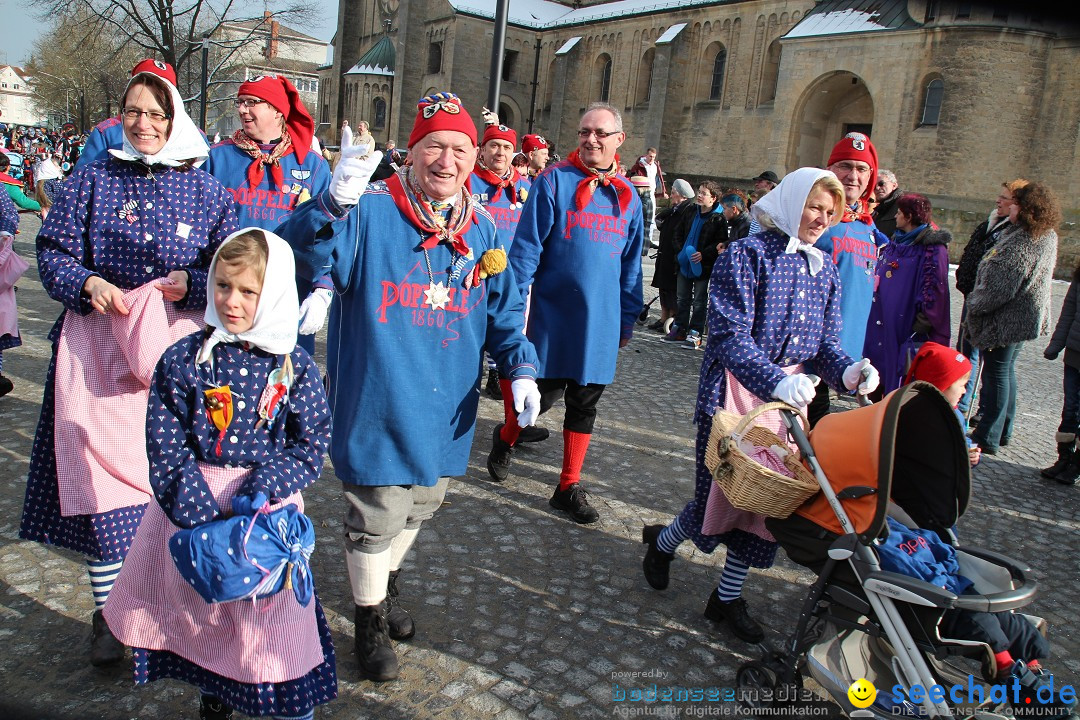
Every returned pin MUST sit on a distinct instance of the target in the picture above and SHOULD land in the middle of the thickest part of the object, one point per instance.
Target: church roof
(842, 17)
(379, 60)
(546, 15)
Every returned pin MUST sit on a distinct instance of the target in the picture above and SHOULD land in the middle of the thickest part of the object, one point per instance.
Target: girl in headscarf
(236, 412)
(125, 249)
(773, 310)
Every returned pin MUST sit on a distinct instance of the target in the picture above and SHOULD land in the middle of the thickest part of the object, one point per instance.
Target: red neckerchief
(8, 180)
(256, 171)
(418, 211)
(491, 178)
(594, 178)
(861, 211)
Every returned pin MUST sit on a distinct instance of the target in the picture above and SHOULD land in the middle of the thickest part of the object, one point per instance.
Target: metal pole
(498, 45)
(203, 82)
(535, 84)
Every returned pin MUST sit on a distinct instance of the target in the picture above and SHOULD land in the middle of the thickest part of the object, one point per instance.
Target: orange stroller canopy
(909, 448)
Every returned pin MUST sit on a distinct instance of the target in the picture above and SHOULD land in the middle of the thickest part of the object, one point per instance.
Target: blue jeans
(998, 397)
(972, 354)
(1070, 410)
(692, 295)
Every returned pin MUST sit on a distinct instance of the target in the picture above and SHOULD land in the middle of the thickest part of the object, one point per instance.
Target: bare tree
(173, 31)
(79, 71)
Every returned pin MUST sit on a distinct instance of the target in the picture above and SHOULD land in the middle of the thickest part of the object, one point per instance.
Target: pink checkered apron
(11, 269)
(104, 365)
(721, 515)
(153, 607)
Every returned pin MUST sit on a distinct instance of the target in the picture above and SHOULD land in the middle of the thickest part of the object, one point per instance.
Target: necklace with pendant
(437, 294)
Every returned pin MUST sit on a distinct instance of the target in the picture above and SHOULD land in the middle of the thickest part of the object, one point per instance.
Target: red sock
(510, 429)
(1004, 660)
(575, 445)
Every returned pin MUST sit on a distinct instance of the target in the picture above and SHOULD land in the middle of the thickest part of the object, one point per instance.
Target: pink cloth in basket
(104, 365)
(151, 606)
(11, 269)
(720, 515)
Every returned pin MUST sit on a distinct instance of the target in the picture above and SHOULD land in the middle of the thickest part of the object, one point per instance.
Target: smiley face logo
(862, 693)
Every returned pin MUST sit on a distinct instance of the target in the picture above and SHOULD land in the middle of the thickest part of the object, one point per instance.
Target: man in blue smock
(577, 250)
(423, 288)
(853, 244)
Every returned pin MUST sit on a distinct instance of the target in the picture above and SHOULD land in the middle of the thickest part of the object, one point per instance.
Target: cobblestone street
(520, 612)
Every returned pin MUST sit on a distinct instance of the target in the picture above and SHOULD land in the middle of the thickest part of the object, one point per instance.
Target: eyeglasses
(600, 134)
(247, 102)
(881, 183)
(852, 167)
(152, 115)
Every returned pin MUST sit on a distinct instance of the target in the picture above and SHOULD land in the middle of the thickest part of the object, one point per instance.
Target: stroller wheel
(756, 683)
(644, 314)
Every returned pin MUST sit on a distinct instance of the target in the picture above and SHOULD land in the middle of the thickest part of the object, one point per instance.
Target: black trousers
(1001, 631)
(580, 402)
(819, 406)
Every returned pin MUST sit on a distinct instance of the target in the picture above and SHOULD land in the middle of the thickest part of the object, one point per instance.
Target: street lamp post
(203, 82)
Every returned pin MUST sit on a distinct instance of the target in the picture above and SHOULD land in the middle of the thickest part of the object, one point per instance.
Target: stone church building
(957, 96)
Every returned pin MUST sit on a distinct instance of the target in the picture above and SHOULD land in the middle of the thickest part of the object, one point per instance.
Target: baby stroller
(903, 457)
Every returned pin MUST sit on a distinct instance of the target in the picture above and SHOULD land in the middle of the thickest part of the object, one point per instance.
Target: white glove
(854, 380)
(353, 171)
(313, 310)
(796, 390)
(526, 400)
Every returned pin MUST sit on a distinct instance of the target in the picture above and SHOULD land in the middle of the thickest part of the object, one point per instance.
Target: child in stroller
(863, 621)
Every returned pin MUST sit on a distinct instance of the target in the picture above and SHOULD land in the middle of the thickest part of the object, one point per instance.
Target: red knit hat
(156, 67)
(938, 365)
(499, 132)
(441, 111)
(856, 146)
(283, 97)
(533, 142)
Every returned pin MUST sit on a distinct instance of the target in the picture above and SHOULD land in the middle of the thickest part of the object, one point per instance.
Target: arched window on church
(931, 110)
(603, 77)
(719, 60)
(379, 112)
(771, 74)
(549, 91)
(644, 83)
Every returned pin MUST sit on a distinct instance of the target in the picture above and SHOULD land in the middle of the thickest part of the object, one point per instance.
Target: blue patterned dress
(286, 456)
(766, 312)
(128, 225)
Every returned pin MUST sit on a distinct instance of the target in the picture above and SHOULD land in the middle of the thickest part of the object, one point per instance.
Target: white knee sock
(368, 574)
(400, 545)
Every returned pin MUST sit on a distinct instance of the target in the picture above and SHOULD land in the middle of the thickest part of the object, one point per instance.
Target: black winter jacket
(713, 232)
(982, 239)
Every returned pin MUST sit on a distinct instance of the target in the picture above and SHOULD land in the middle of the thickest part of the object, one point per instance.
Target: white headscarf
(47, 170)
(185, 142)
(277, 315)
(784, 205)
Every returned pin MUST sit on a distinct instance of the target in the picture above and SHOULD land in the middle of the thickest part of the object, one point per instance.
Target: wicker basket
(747, 484)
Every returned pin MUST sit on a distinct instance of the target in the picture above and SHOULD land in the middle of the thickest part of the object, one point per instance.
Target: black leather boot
(399, 622)
(736, 616)
(212, 708)
(498, 463)
(104, 648)
(656, 563)
(376, 656)
(1066, 450)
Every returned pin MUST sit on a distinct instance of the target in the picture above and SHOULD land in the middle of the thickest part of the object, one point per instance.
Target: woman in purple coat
(143, 215)
(911, 292)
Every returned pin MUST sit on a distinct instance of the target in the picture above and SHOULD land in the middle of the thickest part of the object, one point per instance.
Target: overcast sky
(22, 28)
